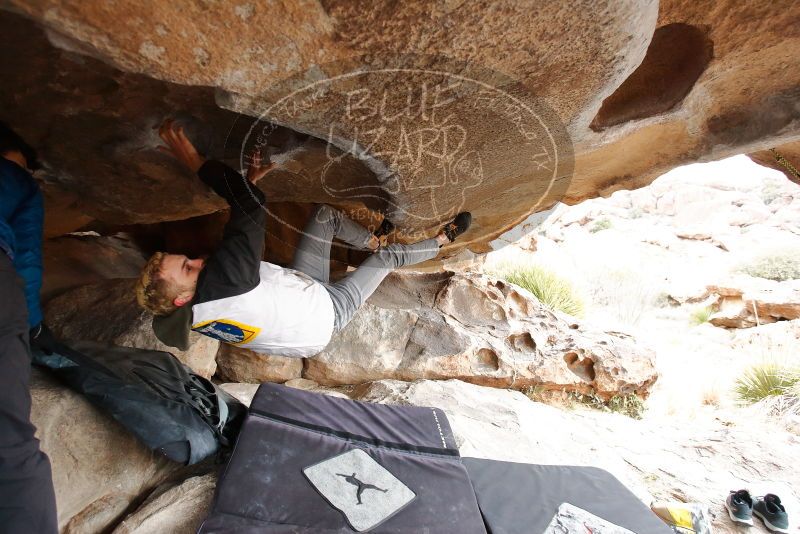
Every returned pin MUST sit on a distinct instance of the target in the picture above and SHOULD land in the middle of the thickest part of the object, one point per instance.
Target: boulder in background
(481, 330)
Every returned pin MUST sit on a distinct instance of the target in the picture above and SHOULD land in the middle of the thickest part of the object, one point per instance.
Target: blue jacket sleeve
(28, 257)
(23, 212)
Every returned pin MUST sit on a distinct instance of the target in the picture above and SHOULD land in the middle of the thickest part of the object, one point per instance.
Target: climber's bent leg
(349, 293)
(313, 253)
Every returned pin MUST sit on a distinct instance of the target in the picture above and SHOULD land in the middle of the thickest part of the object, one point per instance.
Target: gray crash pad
(517, 498)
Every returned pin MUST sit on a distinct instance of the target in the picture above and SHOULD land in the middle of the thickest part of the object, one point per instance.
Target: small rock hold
(152, 51)
(201, 57)
(244, 11)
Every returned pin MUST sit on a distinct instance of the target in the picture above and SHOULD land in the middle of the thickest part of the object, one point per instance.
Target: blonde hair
(153, 292)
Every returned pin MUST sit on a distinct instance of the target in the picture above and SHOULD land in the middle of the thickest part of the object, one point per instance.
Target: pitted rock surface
(481, 330)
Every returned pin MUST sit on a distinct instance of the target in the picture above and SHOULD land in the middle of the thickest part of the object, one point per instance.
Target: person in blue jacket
(27, 499)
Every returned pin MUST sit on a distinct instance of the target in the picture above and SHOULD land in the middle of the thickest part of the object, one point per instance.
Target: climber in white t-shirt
(236, 298)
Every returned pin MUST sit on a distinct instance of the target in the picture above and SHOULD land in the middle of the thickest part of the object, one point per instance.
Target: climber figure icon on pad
(360, 486)
(239, 299)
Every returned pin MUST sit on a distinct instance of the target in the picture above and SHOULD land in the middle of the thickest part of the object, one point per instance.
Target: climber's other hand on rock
(179, 146)
(255, 170)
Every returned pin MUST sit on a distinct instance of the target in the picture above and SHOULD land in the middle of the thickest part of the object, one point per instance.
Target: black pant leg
(27, 499)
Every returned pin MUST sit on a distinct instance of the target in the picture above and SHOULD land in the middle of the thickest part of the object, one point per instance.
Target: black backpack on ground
(151, 393)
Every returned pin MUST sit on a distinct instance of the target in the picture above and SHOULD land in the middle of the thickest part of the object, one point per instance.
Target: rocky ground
(645, 261)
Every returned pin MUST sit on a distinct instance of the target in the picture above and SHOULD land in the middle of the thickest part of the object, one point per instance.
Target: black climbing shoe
(457, 226)
(383, 231)
(770, 510)
(740, 507)
(385, 228)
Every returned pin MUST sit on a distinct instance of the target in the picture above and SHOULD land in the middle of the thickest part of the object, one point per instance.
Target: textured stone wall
(614, 93)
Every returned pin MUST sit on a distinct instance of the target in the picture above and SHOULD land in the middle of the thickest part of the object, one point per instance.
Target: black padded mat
(264, 488)
(517, 498)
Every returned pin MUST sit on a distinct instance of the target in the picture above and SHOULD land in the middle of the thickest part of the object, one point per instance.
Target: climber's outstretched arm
(179, 146)
(233, 268)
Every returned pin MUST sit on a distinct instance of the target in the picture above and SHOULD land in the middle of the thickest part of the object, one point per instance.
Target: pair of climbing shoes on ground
(741, 509)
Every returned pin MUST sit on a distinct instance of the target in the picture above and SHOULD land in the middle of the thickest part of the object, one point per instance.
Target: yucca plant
(767, 380)
(781, 405)
(553, 291)
(701, 315)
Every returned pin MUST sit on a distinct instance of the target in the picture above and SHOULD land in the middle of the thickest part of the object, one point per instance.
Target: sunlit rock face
(699, 61)
(415, 111)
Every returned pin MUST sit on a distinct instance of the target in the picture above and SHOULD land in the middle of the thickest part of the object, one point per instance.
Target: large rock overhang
(90, 92)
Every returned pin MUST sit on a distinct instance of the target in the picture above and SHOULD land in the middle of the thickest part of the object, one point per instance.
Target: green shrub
(779, 266)
(535, 393)
(701, 315)
(553, 291)
(767, 380)
(600, 224)
(630, 405)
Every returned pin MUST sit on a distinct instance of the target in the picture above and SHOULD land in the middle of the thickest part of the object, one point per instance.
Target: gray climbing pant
(348, 294)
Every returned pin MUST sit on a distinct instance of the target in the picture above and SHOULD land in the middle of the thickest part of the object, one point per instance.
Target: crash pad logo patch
(359, 487)
(227, 331)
